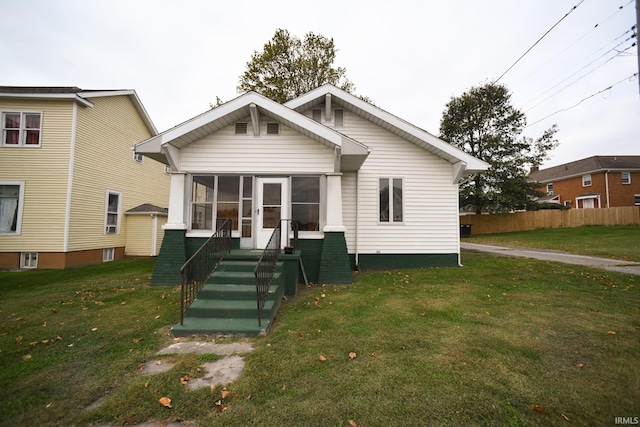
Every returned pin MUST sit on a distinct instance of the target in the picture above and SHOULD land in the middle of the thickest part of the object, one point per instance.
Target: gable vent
(273, 128)
(241, 128)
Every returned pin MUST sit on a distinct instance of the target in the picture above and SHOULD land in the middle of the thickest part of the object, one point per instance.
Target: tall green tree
(484, 123)
(288, 67)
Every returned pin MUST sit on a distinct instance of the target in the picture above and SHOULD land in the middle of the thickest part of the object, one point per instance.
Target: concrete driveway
(547, 255)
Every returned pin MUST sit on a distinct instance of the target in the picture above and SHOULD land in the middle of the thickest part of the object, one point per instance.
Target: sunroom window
(202, 192)
(21, 129)
(305, 202)
(228, 200)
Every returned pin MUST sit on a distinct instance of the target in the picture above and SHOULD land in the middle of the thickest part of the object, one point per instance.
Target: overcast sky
(408, 57)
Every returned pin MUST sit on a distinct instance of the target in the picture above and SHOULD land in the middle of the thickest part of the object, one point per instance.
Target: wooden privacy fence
(523, 221)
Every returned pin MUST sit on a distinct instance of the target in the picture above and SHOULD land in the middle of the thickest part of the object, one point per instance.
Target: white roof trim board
(390, 122)
(288, 114)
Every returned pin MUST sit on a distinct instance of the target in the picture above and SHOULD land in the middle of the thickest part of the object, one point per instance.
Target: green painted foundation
(396, 261)
(335, 267)
(311, 252)
(171, 257)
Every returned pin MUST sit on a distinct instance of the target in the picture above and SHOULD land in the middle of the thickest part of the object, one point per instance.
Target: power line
(583, 99)
(539, 40)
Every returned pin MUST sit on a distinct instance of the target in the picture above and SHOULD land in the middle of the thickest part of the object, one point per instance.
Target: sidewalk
(547, 255)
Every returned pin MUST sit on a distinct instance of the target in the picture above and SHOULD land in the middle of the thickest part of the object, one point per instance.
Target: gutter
(606, 183)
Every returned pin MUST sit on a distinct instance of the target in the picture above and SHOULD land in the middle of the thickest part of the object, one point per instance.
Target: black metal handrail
(202, 263)
(268, 261)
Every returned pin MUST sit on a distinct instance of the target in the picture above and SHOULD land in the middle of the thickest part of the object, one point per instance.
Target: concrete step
(238, 327)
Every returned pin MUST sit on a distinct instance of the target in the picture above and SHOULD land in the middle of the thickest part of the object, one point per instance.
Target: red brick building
(594, 182)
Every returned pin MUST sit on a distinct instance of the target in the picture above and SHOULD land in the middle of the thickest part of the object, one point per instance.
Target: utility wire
(613, 49)
(539, 40)
(583, 99)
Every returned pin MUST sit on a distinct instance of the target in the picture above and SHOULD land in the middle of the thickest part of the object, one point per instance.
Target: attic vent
(241, 128)
(273, 128)
(316, 113)
(338, 118)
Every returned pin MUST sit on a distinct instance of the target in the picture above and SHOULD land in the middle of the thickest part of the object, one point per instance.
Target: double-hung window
(391, 200)
(11, 200)
(112, 213)
(21, 129)
(626, 177)
(305, 202)
(586, 180)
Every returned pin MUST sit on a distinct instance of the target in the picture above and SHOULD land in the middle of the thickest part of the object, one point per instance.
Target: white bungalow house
(370, 190)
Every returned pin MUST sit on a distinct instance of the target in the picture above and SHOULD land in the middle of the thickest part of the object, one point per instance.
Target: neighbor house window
(108, 254)
(626, 177)
(202, 192)
(241, 128)
(391, 204)
(29, 260)
(636, 198)
(316, 114)
(112, 213)
(550, 189)
(338, 116)
(137, 157)
(586, 180)
(11, 201)
(167, 169)
(305, 202)
(21, 129)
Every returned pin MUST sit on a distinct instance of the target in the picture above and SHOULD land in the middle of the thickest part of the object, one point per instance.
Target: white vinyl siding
(287, 153)
(430, 214)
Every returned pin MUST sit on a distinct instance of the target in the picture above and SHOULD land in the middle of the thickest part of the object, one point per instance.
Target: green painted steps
(227, 305)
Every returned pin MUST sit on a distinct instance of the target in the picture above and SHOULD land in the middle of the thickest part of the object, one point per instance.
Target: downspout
(357, 261)
(72, 151)
(606, 183)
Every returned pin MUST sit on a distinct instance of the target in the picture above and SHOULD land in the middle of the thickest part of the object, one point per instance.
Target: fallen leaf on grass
(157, 317)
(184, 380)
(85, 308)
(564, 416)
(353, 423)
(352, 355)
(146, 385)
(538, 409)
(611, 332)
(94, 329)
(579, 365)
(26, 357)
(19, 339)
(322, 358)
(123, 303)
(54, 310)
(220, 406)
(224, 393)
(165, 401)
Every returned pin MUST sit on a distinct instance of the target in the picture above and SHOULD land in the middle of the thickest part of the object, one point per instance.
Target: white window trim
(585, 180)
(635, 197)
(118, 213)
(22, 131)
(138, 158)
(622, 174)
(108, 254)
(29, 260)
(391, 221)
(20, 208)
(322, 206)
(550, 189)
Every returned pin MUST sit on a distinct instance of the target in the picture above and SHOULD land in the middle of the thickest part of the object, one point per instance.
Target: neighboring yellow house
(68, 174)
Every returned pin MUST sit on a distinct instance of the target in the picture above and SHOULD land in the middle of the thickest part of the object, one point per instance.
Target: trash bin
(465, 230)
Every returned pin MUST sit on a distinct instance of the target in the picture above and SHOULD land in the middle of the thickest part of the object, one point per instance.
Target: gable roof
(76, 94)
(389, 122)
(581, 167)
(251, 104)
(147, 209)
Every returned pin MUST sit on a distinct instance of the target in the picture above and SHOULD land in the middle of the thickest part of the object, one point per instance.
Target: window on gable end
(626, 177)
(391, 200)
(241, 128)
(273, 128)
(137, 157)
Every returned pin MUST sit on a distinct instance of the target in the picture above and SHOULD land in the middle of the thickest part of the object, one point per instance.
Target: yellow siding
(139, 235)
(44, 171)
(162, 220)
(104, 161)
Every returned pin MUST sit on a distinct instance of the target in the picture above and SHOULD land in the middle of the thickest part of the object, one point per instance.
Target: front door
(272, 206)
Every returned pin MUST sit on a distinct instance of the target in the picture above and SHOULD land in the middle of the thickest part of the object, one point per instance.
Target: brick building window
(586, 180)
(626, 177)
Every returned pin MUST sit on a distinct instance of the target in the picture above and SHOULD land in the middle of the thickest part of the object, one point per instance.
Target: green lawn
(501, 341)
(618, 242)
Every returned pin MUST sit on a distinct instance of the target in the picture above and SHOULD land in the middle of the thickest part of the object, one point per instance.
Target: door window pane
(271, 216)
(272, 194)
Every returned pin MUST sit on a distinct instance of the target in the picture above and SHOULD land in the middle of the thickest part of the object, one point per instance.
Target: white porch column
(334, 204)
(176, 219)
